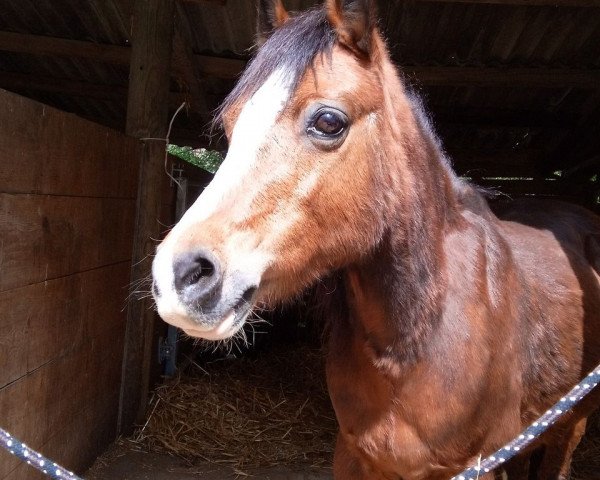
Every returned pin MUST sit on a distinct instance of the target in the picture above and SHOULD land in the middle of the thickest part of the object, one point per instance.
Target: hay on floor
(247, 413)
(251, 413)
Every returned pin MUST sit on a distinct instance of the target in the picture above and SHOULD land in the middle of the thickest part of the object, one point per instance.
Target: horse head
(321, 135)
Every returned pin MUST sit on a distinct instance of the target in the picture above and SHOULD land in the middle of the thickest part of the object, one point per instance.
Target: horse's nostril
(197, 268)
(204, 269)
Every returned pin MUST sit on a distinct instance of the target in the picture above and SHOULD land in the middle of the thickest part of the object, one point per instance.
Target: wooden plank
(73, 444)
(44, 150)
(43, 45)
(68, 408)
(500, 117)
(45, 237)
(217, 2)
(537, 3)
(21, 81)
(147, 117)
(449, 75)
(228, 68)
(502, 76)
(189, 69)
(44, 321)
(426, 75)
(52, 398)
(113, 54)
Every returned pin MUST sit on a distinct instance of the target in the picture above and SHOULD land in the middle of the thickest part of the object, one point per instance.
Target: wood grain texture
(44, 45)
(77, 393)
(67, 209)
(46, 151)
(46, 237)
(52, 319)
(74, 437)
(147, 116)
(537, 3)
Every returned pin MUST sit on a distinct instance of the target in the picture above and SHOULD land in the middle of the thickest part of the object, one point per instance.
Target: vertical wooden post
(147, 118)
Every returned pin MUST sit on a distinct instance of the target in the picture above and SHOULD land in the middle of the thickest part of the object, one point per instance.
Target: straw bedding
(270, 410)
(247, 413)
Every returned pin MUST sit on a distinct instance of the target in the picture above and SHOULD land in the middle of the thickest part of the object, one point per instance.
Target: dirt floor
(119, 464)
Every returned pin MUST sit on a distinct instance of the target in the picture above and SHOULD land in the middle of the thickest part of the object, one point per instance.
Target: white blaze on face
(251, 131)
(257, 118)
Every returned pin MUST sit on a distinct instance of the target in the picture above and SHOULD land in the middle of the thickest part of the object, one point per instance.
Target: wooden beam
(504, 77)
(217, 2)
(147, 117)
(113, 54)
(184, 67)
(21, 82)
(538, 3)
(231, 68)
(500, 117)
(62, 47)
(220, 67)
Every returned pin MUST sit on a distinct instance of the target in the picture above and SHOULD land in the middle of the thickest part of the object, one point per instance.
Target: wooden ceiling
(512, 85)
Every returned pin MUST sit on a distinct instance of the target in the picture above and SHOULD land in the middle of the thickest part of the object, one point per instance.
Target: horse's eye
(328, 123)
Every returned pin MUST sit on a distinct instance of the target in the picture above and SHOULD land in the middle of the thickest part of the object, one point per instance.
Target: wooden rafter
(217, 2)
(501, 117)
(23, 82)
(184, 65)
(114, 54)
(504, 76)
(74, 88)
(231, 68)
(539, 3)
(62, 47)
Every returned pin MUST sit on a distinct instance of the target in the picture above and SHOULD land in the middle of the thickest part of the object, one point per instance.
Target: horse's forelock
(291, 49)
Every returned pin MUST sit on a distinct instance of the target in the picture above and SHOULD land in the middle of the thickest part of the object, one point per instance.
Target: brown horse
(450, 329)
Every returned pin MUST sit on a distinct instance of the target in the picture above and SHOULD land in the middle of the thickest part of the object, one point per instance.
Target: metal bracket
(167, 351)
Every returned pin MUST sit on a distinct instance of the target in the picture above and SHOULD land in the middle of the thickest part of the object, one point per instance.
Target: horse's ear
(353, 21)
(271, 15)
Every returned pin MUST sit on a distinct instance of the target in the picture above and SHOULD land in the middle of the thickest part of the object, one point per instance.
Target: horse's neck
(394, 296)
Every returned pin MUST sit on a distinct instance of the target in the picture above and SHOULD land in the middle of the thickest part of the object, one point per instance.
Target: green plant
(209, 160)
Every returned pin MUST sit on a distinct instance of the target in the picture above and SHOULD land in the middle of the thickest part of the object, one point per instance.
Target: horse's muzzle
(192, 291)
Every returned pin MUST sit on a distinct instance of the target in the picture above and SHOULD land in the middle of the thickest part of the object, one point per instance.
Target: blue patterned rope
(538, 427)
(33, 458)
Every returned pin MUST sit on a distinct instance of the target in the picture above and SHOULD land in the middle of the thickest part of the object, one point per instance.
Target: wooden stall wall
(67, 201)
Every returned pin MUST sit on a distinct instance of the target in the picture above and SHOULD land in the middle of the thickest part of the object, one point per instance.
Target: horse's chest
(390, 432)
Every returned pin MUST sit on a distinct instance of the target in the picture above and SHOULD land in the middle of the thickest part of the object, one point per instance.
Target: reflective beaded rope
(538, 427)
(36, 460)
